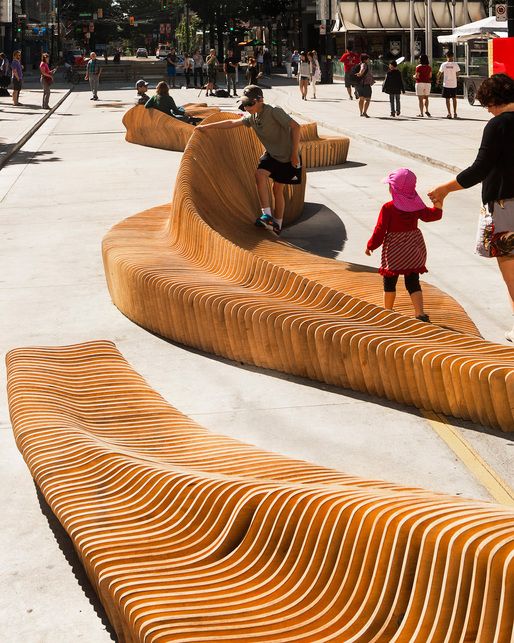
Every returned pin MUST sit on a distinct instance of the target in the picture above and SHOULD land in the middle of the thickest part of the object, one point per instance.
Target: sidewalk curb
(29, 133)
(396, 149)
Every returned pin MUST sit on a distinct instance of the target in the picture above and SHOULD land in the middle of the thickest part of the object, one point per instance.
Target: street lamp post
(412, 42)
(428, 31)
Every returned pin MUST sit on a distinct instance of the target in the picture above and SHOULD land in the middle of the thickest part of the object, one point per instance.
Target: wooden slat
(191, 536)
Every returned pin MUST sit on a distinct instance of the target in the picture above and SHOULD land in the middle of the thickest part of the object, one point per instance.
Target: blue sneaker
(265, 221)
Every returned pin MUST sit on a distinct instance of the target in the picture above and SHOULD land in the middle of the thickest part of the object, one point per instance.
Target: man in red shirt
(349, 60)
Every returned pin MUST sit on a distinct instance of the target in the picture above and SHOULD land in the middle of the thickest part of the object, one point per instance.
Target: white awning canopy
(486, 28)
(393, 15)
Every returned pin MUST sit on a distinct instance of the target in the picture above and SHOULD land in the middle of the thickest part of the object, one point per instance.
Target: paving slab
(67, 188)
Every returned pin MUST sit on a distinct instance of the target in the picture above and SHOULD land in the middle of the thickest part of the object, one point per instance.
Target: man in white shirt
(449, 72)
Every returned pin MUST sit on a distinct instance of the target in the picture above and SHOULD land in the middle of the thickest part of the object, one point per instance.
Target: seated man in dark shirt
(141, 88)
(165, 103)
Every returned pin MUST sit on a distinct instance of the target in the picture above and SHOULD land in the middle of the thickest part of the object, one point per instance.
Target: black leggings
(411, 283)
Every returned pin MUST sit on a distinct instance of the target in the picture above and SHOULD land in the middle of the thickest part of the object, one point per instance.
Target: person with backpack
(365, 81)
(393, 85)
(349, 60)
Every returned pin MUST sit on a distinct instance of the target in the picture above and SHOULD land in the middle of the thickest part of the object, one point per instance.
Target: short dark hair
(449, 53)
(496, 90)
(393, 63)
(364, 57)
(423, 59)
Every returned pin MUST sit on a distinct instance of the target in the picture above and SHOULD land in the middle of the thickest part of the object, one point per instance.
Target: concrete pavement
(74, 180)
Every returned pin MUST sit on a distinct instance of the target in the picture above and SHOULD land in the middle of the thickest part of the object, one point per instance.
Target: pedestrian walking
(403, 247)
(198, 68)
(251, 72)
(423, 78)
(212, 71)
(93, 73)
(449, 73)
(260, 60)
(17, 76)
(46, 79)
(494, 168)
(230, 69)
(393, 85)
(295, 61)
(5, 75)
(280, 136)
(189, 65)
(171, 67)
(287, 60)
(363, 88)
(315, 71)
(349, 60)
(267, 61)
(304, 74)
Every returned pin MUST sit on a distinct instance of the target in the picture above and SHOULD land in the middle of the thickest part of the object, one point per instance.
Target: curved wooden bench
(322, 151)
(201, 274)
(152, 128)
(191, 536)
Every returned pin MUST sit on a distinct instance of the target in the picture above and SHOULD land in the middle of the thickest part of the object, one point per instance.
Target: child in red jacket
(403, 247)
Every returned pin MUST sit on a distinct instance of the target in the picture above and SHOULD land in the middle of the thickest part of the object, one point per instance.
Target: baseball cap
(141, 83)
(403, 190)
(250, 94)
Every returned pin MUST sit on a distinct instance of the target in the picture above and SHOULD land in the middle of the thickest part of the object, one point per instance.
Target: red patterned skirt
(403, 253)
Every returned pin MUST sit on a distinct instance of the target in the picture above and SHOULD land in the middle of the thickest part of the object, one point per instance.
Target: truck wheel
(471, 93)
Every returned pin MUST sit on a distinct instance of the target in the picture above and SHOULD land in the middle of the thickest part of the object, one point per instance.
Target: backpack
(221, 93)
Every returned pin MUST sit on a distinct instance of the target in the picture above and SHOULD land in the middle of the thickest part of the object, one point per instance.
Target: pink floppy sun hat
(403, 190)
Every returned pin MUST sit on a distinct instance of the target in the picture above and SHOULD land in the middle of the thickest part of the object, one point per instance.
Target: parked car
(142, 52)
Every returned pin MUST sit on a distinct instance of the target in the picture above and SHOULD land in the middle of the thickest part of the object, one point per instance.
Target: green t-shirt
(273, 128)
(164, 104)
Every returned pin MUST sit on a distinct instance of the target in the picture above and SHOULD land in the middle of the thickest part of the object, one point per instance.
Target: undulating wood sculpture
(191, 536)
(200, 273)
(322, 151)
(154, 129)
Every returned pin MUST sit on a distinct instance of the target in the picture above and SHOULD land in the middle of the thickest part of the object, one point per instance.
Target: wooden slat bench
(322, 151)
(200, 273)
(155, 129)
(191, 536)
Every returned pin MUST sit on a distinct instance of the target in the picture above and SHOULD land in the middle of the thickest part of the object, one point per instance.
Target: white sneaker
(509, 335)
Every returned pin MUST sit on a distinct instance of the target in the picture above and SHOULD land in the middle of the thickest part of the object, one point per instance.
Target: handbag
(496, 229)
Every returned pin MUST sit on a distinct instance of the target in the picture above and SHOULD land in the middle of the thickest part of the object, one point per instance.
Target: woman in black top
(494, 167)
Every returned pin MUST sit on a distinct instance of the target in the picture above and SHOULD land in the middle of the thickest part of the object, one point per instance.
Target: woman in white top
(304, 74)
(315, 71)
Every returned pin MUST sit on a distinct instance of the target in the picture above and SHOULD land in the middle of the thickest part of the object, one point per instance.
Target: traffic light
(131, 20)
(231, 24)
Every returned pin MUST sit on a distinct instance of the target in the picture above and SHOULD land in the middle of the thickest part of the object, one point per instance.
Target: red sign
(501, 56)
(162, 28)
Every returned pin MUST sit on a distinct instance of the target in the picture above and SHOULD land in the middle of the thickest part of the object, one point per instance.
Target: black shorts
(364, 91)
(280, 172)
(16, 84)
(348, 79)
(449, 92)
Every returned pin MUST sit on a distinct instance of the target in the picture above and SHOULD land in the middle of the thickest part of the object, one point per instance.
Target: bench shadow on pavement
(319, 231)
(66, 546)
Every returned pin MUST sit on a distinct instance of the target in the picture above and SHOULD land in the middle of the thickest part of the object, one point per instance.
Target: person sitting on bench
(165, 103)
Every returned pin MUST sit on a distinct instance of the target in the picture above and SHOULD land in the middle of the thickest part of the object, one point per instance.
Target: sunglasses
(250, 104)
